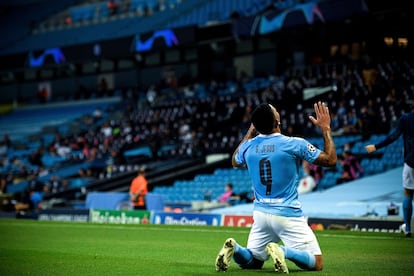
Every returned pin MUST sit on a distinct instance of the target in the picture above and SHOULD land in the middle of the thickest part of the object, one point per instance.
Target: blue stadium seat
(78, 182)
(52, 160)
(17, 187)
(327, 181)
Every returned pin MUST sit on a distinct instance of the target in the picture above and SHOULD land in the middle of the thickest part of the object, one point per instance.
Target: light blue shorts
(294, 232)
(408, 177)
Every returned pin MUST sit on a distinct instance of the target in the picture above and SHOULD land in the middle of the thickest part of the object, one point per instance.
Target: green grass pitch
(30, 247)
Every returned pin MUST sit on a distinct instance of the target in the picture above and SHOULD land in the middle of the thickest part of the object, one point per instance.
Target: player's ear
(277, 124)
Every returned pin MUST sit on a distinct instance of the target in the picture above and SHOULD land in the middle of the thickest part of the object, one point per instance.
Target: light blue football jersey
(273, 162)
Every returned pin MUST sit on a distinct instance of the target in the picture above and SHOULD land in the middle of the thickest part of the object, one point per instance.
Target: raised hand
(323, 119)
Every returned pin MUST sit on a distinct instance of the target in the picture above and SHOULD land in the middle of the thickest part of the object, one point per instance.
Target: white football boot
(224, 256)
(278, 257)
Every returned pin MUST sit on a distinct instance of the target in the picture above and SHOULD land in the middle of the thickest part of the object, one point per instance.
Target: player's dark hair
(263, 119)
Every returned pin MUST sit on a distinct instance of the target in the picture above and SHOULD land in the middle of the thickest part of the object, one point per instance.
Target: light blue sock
(242, 256)
(301, 258)
(407, 212)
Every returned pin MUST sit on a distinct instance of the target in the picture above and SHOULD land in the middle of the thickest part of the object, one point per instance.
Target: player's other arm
(250, 134)
(328, 156)
(395, 134)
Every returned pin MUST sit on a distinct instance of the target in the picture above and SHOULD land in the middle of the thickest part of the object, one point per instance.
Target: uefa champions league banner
(196, 219)
(69, 215)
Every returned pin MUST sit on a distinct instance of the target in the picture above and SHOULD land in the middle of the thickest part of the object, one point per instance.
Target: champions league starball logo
(168, 36)
(55, 53)
(309, 11)
(311, 148)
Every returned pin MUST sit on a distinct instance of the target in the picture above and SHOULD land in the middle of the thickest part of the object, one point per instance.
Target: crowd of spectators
(214, 117)
(100, 11)
(112, 8)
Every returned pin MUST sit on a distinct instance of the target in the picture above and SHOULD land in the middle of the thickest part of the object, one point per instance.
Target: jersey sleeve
(240, 158)
(307, 151)
(393, 136)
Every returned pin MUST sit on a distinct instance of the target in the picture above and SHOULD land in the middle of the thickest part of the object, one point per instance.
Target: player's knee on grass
(253, 264)
(318, 262)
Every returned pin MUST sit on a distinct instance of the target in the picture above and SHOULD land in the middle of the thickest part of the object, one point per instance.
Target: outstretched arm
(391, 138)
(328, 156)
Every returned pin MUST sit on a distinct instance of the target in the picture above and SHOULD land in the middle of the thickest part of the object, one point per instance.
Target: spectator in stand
(151, 95)
(86, 151)
(307, 183)
(230, 197)
(351, 168)
(367, 119)
(112, 7)
(342, 111)
(107, 129)
(63, 148)
(3, 184)
(316, 172)
(336, 125)
(184, 132)
(351, 123)
(5, 145)
(54, 184)
(35, 157)
(85, 173)
(30, 202)
(312, 174)
(97, 114)
(228, 193)
(138, 190)
(42, 95)
(68, 20)
(42, 171)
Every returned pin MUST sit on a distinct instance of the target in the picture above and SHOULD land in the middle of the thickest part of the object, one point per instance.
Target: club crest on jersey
(311, 148)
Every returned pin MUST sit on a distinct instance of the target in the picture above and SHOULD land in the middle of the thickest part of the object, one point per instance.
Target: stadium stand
(372, 199)
(131, 132)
